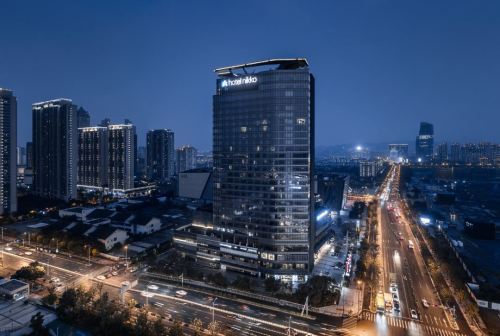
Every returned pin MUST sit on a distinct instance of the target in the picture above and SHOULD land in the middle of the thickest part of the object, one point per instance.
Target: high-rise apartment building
(424, 146)
(93, 157)
(160, 154)
(83, 118)
(370, 168)
(21, 156)
(106, 157)
(455, 155)
(263, 152)
(121, 160)
(29, 154)
(55, 148)
(442, 152)
(8, 143)
(185, 158)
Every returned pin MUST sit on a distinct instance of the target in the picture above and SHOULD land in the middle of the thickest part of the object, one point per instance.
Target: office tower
(8, 143)
(455, 152)
(442, 152)
(398, 152)
(424, 146)
(83, 117)
(333, 190)
(55, 149)
(185, 158)
(160, 154)
(121, 161)
(93, 157)
(29, 154)
(263, 152)
(21, 156)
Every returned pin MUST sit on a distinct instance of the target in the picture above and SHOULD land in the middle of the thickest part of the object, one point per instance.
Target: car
(395, 296)
(394, 290)
(425, 303)
(100, 277)
(55, 279)
(28, 253)
(8, 248)
(393, 284)
(396, 306)
(414, 314)
(133, 269)
(181, 293)
(153, 287)
(114, 273)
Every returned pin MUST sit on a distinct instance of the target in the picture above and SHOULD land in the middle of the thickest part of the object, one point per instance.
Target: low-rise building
(109, 236)
(14, 289)
(78, 212)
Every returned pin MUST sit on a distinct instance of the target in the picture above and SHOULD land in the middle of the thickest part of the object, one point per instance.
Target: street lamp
(126, 257)
(359, 296)
(89, 251)
(213, 310)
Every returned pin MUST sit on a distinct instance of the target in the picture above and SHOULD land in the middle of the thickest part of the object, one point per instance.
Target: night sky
(381, 67)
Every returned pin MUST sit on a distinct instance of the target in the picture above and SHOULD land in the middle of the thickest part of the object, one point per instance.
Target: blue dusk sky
(381, 66)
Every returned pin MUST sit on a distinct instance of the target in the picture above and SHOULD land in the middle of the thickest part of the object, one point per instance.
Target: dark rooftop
(284, 63)
(79, 229)
(12, 285)
(121, 216)
(141, 219)
(100, 213)
(102, 232)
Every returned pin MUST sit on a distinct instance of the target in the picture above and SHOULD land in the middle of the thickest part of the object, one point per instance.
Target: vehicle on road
(114, 273)
(396, 306)
(388, 302)
(100, 277)
(133, 269)
(395, 297)
(55, 279)
(153, 287)
(28, 253)
(425, 303)
(414, 314)
(181, 293)
(394, 290)
(410, 244)
(8, 248)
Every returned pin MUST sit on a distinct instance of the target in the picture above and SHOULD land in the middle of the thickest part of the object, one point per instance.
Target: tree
(197, 326)
(36, 325)
(158, 328)
(176, 329)
(31, 272)
(142, 326)
(214, 328)
(217, 279)
(242, 283)
(51, 297)
(271, 284)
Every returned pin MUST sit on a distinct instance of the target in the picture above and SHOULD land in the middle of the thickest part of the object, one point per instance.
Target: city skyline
(441, 73)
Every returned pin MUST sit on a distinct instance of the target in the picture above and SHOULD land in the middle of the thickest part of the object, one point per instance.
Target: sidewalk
(351, 303)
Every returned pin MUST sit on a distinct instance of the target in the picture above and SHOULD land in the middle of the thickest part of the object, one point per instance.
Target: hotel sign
(246, 82)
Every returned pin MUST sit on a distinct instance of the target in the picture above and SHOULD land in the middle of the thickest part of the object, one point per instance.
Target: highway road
(241, 318)
(405, 266)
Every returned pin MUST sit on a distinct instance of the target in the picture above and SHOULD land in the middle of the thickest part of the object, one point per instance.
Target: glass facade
(263, 160)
